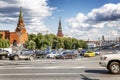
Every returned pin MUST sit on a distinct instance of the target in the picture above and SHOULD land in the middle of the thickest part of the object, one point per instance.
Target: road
(52, 69)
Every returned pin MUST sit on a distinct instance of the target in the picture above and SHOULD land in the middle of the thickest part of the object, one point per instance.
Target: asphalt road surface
(52, 69)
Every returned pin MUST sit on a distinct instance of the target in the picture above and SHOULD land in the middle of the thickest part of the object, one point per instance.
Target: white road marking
(31, 74)
(51, 67)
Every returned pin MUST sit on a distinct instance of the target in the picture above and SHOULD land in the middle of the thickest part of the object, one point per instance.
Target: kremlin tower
(59, 33)
(20, 25)
(19, 36)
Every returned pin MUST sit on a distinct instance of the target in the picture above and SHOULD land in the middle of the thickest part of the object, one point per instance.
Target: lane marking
(53, 67)
(31, 74)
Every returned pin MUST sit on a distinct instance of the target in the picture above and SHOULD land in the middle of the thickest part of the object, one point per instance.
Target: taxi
(89, 54)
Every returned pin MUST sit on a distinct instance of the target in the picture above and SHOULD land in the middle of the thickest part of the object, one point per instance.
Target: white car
(52, 54)
(111, 62)
(97, 53)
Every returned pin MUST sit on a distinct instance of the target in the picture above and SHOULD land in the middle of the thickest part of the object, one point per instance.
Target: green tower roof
(20, 15)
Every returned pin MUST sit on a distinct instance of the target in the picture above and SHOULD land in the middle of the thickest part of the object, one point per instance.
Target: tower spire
(20, 15)
(20, 24)
(60, 27)
(60, 34)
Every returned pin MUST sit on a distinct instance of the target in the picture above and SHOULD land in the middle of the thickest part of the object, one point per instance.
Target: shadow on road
(87, 78)
(94, 72)
(97, 71)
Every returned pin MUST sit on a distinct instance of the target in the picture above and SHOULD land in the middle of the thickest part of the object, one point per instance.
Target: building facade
(20, 36)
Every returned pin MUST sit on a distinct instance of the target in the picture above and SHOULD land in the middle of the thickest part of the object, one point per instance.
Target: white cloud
(113, 34)
(107, 12)
(78, 21)
(92, 24)
(38, 11)
(34, 13)
(4, 4)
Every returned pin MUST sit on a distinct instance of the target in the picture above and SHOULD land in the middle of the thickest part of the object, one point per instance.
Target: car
(111, 62)
(52, 54)
(41, 53)
(67, 55)
(22, 54)
(82, 52)
(97, 52)
(3, 54)
(89, 54)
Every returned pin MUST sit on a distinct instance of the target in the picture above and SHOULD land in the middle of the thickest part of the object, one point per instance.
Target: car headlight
(9, 54)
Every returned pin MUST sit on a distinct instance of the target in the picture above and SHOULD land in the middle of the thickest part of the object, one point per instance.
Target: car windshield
(89, 51)
(27, 52)
(54, 52)
(64, 53)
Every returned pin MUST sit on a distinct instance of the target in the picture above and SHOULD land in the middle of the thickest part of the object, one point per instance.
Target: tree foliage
(41, 41)
(4, 43)
(30, 44)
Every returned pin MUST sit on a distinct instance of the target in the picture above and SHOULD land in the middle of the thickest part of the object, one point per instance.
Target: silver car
(23, 54)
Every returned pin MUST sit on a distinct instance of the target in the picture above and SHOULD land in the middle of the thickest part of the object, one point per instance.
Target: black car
(41, 53)
(23, 54)
(83, 52)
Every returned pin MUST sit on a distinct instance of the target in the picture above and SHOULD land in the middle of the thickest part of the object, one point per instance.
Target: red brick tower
(59, 33)
(20, 25)
(20, 36)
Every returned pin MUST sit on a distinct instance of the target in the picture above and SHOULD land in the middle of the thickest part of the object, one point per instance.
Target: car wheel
(16, 58)
(31, 58)
(64, 57)
(3, 57)
(54, 57)
(43, 57)
(114, 67)
(10, 58)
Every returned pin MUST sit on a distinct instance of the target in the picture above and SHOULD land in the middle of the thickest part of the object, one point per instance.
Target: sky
(81, 19)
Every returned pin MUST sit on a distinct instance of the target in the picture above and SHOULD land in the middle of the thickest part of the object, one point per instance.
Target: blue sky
(81, 19)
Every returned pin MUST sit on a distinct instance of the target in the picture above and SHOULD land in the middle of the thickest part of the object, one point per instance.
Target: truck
(111, 62)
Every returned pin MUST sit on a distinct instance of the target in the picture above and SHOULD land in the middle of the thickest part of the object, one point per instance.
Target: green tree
(59, 42)
(43, 41)
(31, 44)
(4, 43)
(67, 43)
(32, 37)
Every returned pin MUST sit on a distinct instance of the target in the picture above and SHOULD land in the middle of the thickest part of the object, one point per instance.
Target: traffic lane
(79, 62)
(70, 70)
(58, 74)
(60, 77)
(98, 71)
(48, 77)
